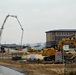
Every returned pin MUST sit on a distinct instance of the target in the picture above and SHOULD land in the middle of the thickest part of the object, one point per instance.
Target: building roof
(62, 30)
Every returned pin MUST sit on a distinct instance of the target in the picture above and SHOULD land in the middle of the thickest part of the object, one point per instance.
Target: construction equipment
(49, 53)
(71, 40)
(1, 30)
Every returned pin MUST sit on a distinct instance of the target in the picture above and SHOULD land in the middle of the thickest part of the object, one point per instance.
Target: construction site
(56, 59)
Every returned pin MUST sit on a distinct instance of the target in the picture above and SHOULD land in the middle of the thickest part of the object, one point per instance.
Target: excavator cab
(49, 54)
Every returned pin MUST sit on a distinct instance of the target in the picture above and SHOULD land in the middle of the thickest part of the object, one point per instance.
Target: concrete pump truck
(1, 30)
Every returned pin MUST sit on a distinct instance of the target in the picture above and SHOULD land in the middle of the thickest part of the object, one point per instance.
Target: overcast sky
(36, 17)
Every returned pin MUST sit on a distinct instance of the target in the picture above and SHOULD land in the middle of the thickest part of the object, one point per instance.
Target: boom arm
(3, 26)
(20, 26)
(1, 30)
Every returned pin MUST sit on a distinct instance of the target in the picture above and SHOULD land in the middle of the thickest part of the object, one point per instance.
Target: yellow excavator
(49, 53)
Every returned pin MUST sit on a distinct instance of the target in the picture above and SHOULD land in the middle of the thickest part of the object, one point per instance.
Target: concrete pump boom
(1, 30)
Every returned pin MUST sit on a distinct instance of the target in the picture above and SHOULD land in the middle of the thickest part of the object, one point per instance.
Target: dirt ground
(38, 69)
(35, 68)
(32, 68)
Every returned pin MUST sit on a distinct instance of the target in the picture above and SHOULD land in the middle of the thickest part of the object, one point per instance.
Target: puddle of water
(8, 71)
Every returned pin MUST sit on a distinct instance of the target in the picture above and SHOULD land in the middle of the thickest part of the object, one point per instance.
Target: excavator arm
(70, 40)
(61, 42)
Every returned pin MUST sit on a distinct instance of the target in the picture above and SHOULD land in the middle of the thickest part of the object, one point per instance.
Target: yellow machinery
(71, 40)
(49, 53)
